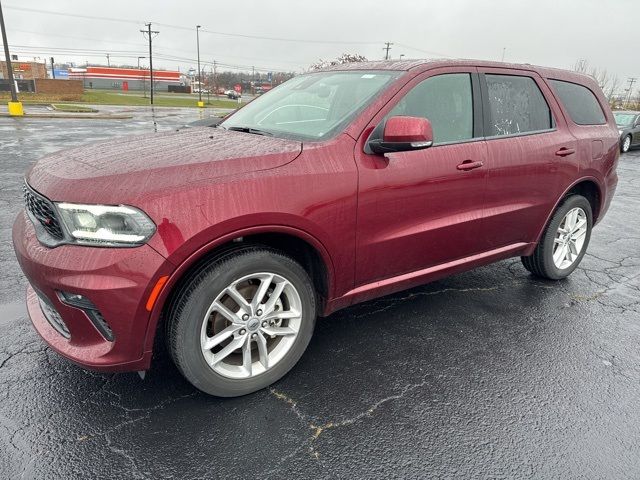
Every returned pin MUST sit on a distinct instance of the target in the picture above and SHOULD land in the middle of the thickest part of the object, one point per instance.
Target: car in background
(232, 94)
(628, 123)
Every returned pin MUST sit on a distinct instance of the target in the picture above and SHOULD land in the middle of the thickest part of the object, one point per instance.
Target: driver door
(422, 208)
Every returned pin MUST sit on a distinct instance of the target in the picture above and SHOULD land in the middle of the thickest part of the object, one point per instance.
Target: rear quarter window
(580, 102)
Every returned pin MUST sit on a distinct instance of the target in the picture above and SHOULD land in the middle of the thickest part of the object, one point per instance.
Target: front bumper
(117, 281)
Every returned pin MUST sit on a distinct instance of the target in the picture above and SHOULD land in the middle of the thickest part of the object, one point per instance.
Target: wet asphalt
(487, 374)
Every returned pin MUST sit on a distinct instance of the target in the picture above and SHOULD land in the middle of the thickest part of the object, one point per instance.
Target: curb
(70, 115)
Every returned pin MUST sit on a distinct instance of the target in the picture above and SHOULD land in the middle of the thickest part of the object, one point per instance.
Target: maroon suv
(334, 188)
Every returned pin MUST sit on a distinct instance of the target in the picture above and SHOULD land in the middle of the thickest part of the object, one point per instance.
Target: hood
(123, 169)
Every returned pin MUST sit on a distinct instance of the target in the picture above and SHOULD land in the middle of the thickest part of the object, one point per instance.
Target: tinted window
(447, 102)
(516, 105)
(580, 102)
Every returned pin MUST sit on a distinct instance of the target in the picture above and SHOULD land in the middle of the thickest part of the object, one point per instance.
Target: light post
(15, 107)
(200, 103)
(401, 55)
(140, 58)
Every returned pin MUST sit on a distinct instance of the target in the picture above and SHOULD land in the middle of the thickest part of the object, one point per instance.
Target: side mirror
(402, 134)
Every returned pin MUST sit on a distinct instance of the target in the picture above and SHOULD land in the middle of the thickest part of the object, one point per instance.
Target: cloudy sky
(295, 33)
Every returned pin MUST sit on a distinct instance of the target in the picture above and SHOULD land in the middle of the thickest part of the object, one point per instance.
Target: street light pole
(199, 71)
(15, 107)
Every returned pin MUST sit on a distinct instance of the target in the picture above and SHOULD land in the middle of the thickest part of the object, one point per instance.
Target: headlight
(101, 225)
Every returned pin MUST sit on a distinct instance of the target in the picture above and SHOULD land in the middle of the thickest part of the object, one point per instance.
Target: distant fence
(62, 87)
(23, 86)
(179, 88)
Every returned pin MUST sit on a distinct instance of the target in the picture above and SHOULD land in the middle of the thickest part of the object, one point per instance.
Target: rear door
(422, 208)
(529, 150)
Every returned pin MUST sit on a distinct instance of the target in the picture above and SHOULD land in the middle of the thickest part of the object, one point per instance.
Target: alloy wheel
(251, 325)
(626, 144)
(570, 237)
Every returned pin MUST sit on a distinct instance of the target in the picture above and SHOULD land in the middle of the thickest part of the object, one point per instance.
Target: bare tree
(609, 84)
(341, 60)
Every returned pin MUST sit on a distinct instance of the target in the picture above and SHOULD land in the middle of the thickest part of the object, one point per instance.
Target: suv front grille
(41, 210)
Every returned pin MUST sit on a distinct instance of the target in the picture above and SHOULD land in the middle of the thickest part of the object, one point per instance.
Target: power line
(182, 27)
(429, 52)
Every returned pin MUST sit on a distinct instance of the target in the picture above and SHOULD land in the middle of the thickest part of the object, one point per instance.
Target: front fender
(185, 264)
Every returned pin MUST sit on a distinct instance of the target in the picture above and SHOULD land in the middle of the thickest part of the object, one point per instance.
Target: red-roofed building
(125, 78)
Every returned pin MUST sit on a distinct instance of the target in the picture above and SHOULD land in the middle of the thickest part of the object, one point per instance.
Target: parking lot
(489, 374)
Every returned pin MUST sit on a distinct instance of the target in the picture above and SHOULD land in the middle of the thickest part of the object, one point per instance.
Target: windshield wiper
(254, 131)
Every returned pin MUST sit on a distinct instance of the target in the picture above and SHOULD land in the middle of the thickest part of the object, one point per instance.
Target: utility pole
(215, 78)
(53, 72)
(150, 33)
(387, 48)
(631, 81)
(108, 61)
(200, 104)
(15, 107)
(504, 49)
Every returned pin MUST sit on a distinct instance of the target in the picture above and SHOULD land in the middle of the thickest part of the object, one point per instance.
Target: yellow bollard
(15, 109)
(201, 104)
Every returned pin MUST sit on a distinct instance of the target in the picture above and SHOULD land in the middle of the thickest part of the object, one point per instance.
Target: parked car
(338, 187)
(629, 127)
(233, 94)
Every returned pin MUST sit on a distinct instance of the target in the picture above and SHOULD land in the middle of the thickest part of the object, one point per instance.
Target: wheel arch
(588, 187)
(300, 245)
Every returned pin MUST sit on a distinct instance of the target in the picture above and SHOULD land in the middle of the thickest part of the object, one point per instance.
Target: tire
(542, 263)
(625, 145)
(191, 329)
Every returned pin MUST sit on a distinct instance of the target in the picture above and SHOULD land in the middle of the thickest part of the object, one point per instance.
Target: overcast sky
(545, 32)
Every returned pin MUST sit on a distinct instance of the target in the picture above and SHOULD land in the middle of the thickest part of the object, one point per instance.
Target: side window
(516, 105)
(580, 102)
(446, 101)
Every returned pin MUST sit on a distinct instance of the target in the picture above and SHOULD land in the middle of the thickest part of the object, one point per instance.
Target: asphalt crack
(319, 428)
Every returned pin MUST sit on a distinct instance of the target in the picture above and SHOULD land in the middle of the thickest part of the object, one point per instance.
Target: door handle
(564, 151)
(469, 165)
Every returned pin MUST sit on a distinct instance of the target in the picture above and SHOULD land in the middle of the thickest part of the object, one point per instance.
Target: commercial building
(112, 78)
(24, 70)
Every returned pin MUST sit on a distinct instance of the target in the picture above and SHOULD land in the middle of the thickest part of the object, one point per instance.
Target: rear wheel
(242, 322)
(564, 241)
(626, 144)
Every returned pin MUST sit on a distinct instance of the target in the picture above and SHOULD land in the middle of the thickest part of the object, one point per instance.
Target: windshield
(624, 118)
(312, 106)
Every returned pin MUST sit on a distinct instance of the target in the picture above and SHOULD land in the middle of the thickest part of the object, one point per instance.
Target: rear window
(517, 105)
(580, 102)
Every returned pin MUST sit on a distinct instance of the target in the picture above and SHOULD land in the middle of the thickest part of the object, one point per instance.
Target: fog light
(83, 303)
(76, 300)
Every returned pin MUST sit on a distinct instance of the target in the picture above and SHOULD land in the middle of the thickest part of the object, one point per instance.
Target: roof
(426, 64)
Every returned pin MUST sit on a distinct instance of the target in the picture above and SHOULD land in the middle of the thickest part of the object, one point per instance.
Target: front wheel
(242, 322)
(626, 144)
(564, 241)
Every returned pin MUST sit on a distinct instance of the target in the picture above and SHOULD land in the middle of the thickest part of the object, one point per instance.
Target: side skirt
(426, 275)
